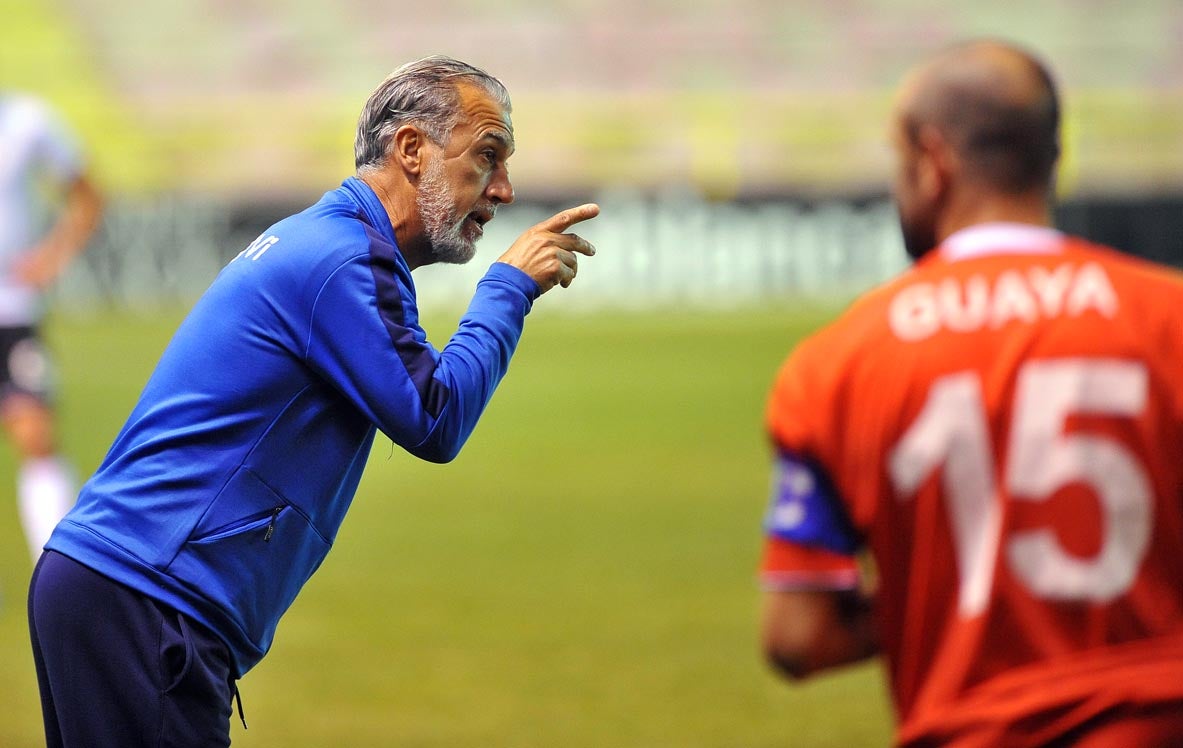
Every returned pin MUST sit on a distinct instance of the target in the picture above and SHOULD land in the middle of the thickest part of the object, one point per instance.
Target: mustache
(486, 212)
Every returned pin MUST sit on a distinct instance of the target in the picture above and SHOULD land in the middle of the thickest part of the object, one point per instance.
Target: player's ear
(935, 164)
(407, 149)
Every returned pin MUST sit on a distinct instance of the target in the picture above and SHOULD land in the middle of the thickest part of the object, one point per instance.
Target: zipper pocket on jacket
(255, 522)
(271, 525)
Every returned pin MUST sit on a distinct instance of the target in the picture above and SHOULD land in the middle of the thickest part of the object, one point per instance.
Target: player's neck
(979, 207)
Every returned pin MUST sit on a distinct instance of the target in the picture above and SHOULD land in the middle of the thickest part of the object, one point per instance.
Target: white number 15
(951, 431)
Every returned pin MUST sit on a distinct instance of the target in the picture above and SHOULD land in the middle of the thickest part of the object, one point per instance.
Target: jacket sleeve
(365, 339)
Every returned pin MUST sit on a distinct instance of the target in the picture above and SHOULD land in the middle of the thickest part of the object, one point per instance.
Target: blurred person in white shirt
(49, 208)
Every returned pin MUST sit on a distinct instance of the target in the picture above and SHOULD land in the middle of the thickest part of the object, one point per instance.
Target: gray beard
(444, 228)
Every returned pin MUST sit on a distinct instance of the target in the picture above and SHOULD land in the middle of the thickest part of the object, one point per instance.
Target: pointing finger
(565, 219)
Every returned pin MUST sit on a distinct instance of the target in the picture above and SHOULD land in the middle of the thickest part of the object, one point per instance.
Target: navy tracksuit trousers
(118, 670)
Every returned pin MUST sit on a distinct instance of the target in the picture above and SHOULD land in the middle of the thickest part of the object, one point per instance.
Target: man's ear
(936, 164)
(407, 151)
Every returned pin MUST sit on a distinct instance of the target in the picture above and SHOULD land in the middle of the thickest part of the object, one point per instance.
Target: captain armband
(805, 509)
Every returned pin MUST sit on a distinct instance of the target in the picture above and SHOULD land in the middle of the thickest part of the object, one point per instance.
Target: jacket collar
(371, 207)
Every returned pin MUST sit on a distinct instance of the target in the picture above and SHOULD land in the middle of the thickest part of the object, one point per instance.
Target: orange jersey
(1002, 427)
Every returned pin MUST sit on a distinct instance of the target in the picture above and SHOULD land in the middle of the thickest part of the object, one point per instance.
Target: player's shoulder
(1140, 270)
(322, 237)
(856, 337)
(1144, 293)
(859, 329)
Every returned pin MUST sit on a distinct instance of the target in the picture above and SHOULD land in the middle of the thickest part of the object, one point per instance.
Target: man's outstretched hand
(547, 254)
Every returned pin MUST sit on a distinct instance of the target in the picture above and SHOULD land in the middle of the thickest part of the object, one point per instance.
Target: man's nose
(500, 189)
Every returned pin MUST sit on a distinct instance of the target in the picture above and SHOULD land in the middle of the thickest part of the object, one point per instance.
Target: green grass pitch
(582, 575)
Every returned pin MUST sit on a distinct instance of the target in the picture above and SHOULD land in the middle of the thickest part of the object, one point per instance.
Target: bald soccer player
(1000, 431)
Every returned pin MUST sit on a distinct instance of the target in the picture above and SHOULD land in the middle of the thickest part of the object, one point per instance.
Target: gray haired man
(225, 489)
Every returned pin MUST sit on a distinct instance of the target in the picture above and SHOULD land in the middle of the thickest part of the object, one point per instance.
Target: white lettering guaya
(976, 303)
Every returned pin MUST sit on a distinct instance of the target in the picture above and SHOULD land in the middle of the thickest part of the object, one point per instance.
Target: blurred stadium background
(738, 145)
(583, 575)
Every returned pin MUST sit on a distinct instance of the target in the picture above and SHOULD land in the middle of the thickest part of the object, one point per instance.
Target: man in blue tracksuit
(225, 489)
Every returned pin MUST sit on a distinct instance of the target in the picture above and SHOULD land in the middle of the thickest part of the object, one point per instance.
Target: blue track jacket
(225, 489)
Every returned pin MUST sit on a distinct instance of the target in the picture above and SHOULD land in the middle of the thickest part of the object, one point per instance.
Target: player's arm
(804, 631)
(60, 160)
(477, 356)
(366, 339)
(816, 614)
(75, 224)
